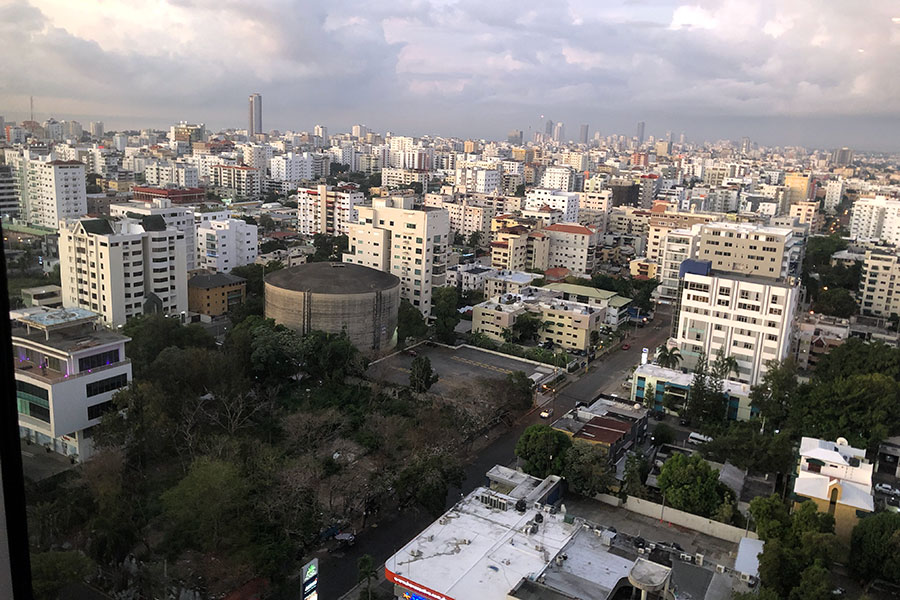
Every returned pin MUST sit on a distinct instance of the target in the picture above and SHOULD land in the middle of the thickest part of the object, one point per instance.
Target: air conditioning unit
(686, 557)
(698, 559)
(720, 568)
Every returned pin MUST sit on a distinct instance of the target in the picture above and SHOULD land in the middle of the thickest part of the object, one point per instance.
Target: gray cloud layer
(823, 73)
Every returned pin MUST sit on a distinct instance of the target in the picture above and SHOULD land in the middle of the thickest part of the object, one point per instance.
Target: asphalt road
(606, 375)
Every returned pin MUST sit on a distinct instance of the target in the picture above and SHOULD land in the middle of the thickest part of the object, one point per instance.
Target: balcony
(51, 376)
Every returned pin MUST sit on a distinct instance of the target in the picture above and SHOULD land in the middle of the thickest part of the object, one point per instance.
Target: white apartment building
(256, 156)
(466, 216)
(225, 244)
(327, 209)
(834, 195)
(876, 219)
(879, 283)
(470, 276)
(395, 177)
(560, 178)
(478, 179)
(55, 190)
(412, 244)
(9, 193)
(123, 268)
(67, 370)
(678, 245)
(179, 217)
(161, 174)
(748, 318)
(567, 202)
(292, 167)
(244, 182)
(751, 249)
(573, 247)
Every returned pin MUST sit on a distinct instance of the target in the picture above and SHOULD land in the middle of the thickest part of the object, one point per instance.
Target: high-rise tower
(255, 124)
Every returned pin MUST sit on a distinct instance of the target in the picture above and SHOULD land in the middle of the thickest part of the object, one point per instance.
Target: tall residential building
(565, 201)
(9, 193)
(327, 209)
(834, 195)
(751, 250)
(876, 219)
(748, 318)
(293, 167)
(573, 247)
(244, 182)
(321, 132)
(662, 221)
(677, 246)
(225, 244)
(842, 157)
(123, 268)
(559, 132)
(515, 137)
(807, 213)
(558, 178)
(164, 173)
(412, 244)
(96, 129)
(798, 185)
(67, 370)
(640, 132)
(466, 216)
(879, 281)
(176, 216)
(254, 126)
(478, 178)
(55, 190)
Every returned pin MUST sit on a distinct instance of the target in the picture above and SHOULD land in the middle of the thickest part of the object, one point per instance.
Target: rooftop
(332, 278)
(214, 280)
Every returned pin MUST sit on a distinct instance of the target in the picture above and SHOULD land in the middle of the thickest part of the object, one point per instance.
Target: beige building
(466, 215)
(411, 244)
(573, 247)
(879, 280)
(215, 294)
(243, 182)
(517, 249)
(807, 212)
(628, 220)
(564, 323)
(798, 187)
(643, 268)
(749, 249)
(123, 268)
(663, 221)
(507, 282)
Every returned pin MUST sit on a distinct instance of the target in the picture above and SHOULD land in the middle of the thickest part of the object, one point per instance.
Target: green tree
(421, 375)
(875, 548)
(518, 391)
(595, 338)
(746, 447)
(543, 450)
(520, 190)
(254, 274)
(774, 394)
(410, 322)
(526, 327)
(856, 357)
(207, 505)
(586, 469)
(814, 584)
(663, 434)
(688, 483)
(837, 302)
(667, 357)
(151, 334)
(771, 516)
(475, 239)
(52, 571)
(427, 479)
(366, 568)
(636, 471)
(446, 317)
(458, 239)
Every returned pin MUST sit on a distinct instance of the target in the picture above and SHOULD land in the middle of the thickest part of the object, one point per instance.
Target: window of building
(106, 385)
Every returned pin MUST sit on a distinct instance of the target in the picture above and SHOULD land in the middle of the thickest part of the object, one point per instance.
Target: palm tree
(667, 357)
(725, 365)
(366, 566)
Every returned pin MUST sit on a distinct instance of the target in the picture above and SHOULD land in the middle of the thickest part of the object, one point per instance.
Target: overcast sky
(815, 72)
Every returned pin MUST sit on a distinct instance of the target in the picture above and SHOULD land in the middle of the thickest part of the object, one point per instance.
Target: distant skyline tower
(583, 134)
(549, 129)
(255, 125)
(842, 157)
(640, 132)
(515, 137)
(559, 132)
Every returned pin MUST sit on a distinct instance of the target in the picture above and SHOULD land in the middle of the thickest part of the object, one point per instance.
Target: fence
(684, 519)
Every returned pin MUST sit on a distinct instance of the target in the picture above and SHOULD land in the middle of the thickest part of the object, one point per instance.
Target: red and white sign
(416, 587)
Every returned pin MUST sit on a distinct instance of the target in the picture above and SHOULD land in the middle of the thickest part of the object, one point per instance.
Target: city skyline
(796, 75)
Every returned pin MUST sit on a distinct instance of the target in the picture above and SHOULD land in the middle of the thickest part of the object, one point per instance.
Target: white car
(546, 413)
(886, 489)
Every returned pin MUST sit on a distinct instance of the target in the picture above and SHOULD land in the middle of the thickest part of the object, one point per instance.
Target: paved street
(605, 375)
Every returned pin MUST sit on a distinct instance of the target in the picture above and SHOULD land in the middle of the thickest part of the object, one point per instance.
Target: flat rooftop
(332, 278)
(475, 551)
(43, 319)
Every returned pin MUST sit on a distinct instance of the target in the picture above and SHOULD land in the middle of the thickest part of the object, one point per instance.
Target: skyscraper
(640, 132)
(842, 157)
(559, 132)
(583, 134)
(515, 137)
(255, 124)
(549, 129)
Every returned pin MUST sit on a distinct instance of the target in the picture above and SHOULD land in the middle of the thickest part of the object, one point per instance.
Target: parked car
(885, 489)
(547, 413)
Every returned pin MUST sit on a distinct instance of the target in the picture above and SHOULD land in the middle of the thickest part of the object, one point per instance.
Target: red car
(626, 346)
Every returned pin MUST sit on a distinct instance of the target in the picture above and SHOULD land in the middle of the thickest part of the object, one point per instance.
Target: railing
(31, 369)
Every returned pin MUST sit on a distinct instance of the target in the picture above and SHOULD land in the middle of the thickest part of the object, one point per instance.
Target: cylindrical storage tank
(334, 297)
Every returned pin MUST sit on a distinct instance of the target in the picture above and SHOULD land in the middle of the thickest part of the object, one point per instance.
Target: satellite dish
(637, 406)
(842, 441)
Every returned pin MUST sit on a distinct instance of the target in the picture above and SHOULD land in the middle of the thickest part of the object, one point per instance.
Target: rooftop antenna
(31, 98)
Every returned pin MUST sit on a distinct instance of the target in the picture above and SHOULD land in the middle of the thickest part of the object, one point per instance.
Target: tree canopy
(543, 450)
(688, 483)
(875, 548)
(446, 317)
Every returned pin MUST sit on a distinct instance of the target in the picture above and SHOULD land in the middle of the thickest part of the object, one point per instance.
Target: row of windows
(106, 385)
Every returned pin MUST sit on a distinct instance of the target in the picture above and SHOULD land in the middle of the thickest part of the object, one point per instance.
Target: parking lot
(453, 365)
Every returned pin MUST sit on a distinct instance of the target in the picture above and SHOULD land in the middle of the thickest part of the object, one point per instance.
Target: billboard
(310, 576)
